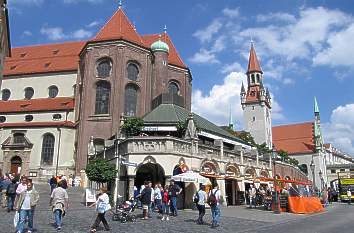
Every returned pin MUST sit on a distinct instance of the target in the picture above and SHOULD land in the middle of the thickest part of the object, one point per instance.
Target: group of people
(163, 199)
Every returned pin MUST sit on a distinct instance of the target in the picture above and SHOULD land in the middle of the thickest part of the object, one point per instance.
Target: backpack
(11, 189)
(212, 199)
(196, 198)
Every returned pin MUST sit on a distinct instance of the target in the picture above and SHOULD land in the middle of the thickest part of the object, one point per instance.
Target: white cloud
(93, 24)
(57, 33)
(215, 105)
(205, 35)
(279, 16)
(81, 34)
(288, 81)
(77, 1)
(340, 129)
(27, 33)
(53, 33)
(232, 13)
(204, 56)
(26, 2)
(234, 67)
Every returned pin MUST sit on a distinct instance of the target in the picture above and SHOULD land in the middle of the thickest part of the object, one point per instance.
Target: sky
(304, 47)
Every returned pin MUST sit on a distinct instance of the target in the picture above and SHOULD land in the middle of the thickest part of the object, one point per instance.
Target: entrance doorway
(232, 192)
(149, 172)
(16, 165)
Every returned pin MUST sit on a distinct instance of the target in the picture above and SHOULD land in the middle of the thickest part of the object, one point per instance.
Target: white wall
(40, 84)
(38, 116)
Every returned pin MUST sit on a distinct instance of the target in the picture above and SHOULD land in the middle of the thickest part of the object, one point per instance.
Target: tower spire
(316, 110)
(231, 123)
(120, 4)
(253, 64)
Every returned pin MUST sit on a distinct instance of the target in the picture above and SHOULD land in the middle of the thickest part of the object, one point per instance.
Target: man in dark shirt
(173, 191)
(145, 198)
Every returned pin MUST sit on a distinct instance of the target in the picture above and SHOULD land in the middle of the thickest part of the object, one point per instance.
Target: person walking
(5, 183)
(158, 198)
(214, 202)
(26, 204)
(174, 190)
(201, 198)
(349, 195)
(165, 204)
(11, 195)
(152, 202)
(52, 183)
(252, 193)
(59, 201)
(145, 197)
(102, 206)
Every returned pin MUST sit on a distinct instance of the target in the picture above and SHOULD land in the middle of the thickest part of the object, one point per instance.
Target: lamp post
(312, 167)
(276, 197)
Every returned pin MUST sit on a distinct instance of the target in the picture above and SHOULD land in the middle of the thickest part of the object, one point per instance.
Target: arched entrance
(232, 189)
(16, 165)
(149, 172)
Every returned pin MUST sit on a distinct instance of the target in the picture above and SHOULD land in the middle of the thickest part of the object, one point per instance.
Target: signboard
(90, 196)
(131, 164)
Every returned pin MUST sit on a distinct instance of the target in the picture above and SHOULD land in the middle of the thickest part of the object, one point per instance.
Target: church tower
(256, 103)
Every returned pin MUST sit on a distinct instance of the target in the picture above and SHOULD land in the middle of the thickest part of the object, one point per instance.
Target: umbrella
(190, 176)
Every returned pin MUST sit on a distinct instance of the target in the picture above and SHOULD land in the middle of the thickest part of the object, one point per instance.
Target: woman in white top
(102, 206)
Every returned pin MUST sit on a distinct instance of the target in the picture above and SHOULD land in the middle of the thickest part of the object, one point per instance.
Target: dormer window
(23, 54)
(55, 52)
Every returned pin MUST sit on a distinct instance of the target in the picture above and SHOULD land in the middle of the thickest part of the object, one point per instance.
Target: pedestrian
(252, 194)
(145, 197)
(21, 187)
(26, 204)
(349, 195)
(330, 197)
(158, 197)
(59, 201)
(11, 195)
(102, 206)
(174, 191)
(152, 203)
(165, 204)
(325, 197)
(5, 183)
(52, 183)
(214, 201)
(201, 197)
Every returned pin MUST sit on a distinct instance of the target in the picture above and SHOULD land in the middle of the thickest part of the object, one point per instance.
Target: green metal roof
(170, 114)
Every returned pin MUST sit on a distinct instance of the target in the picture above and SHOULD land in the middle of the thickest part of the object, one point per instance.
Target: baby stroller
(124, 212)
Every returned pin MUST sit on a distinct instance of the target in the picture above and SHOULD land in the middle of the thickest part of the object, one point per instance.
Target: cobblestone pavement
(79, 218)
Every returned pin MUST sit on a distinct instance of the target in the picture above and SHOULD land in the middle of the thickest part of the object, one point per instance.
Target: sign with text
(90, 196)
(130, 164)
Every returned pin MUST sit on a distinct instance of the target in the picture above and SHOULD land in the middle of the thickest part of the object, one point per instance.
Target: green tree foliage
(263, 149)
(284, 156)
(181, 128)
(101, 171)
(247, 137)
(132, 126)
(303, 168)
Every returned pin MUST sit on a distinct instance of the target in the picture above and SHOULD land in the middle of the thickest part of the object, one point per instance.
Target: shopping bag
(16, 218)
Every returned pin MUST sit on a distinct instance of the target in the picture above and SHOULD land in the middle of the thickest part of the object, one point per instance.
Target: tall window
(131, 96)
(48, 149)
(29, 92)
(53, 91)
(104, 68)
(133, 72)
(5, 94)
(103, 90)
(252, 78)
(173, 88)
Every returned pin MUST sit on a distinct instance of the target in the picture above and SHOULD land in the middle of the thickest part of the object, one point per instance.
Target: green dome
(159, 45)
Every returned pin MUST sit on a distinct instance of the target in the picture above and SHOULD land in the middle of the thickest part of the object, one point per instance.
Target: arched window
(258, 78)
(104, 68)
(103, 90)
(131, 97)
(53, 91)
(173, 88)
(252, 78)
(29, 92)
(133, 72)
(47, 149)
(6, 93)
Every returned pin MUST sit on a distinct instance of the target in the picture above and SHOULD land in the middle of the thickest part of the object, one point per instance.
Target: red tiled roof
(294, 138)
(253, 64)
(43, 58)
(38, 124)
(118, 27)
(173, 57)
(37, 105)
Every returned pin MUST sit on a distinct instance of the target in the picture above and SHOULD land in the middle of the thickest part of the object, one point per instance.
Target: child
(165, 204)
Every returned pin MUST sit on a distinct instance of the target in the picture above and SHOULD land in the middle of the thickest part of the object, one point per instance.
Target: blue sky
(305, 49)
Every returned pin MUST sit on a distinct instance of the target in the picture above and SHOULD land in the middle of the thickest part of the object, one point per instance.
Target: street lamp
(312, 167)
(276, 198)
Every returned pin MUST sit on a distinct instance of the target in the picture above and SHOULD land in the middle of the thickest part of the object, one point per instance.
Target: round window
(53, 91)
(56, 116)
(2, 119)
(29, 92)
(5, 94)
(28, 118)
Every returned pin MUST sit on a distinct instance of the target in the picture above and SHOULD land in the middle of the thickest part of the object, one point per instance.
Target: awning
(212, 175)
(286, 181)
(190, 177)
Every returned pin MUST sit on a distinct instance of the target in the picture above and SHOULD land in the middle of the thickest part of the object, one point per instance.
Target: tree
(263, 149)
(247, 137)
(132, 126)
(283, 156)
(101, 171)
(181, 127)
